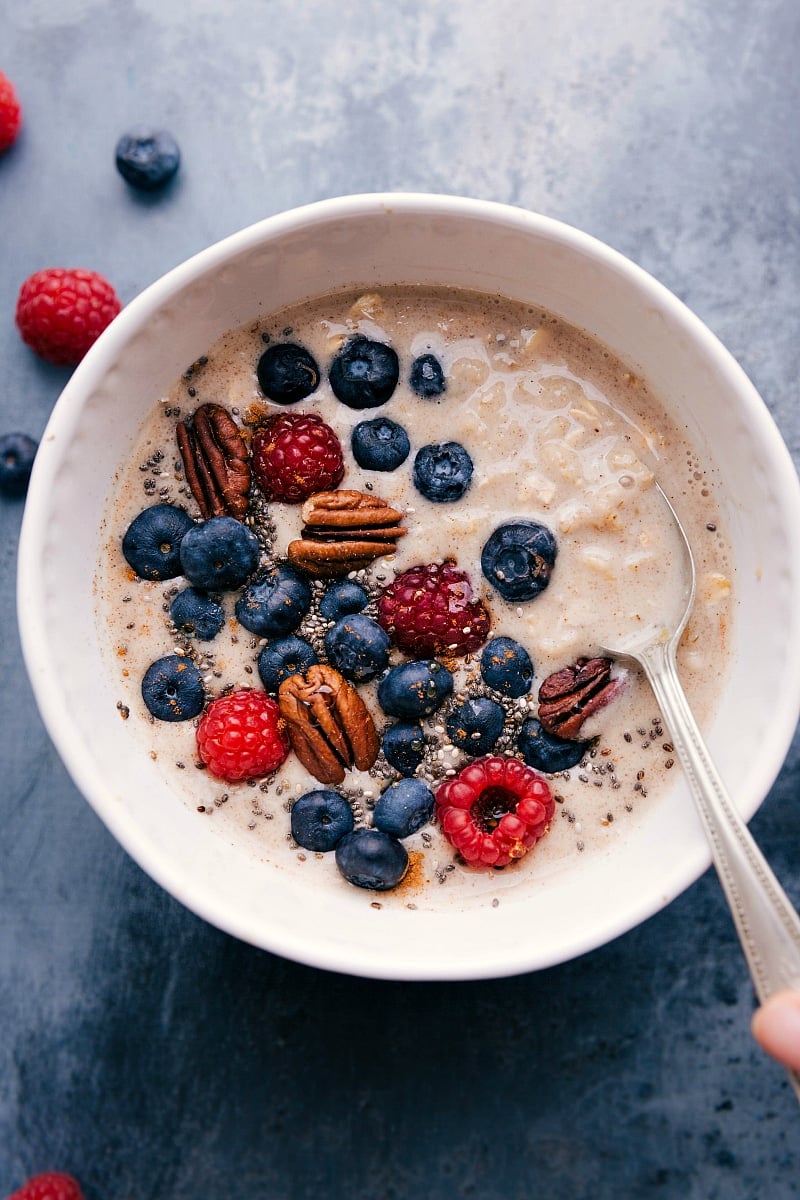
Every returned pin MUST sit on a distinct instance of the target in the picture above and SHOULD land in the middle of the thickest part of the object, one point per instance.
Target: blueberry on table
(320, 820)
(274, 603)
(518, 559)
(341, 599)
(427, 377)
(287, 373)
(442, 472)
(172, 689)
(475, 725)
(147, 158)
(545, 752)
(17, 452)
(506, 667)
(368, 858)
(364, 373)
(403, 808)
(414, 689)
(152, 542)
(196, 614)
(403, 746)
(357, 647)
(380, 444)
(220, 554)
(289, 656)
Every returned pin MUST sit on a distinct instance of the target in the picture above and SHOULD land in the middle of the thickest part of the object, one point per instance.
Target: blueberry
(152, 541)
(196, 614)
(320, 820)
(518, 559)
(403, 747)
(357, 647)
(172, 689)
(442, 472)
(371, 859)
(17, 452)
(475, 725)
(427, 376)
(341, 599)
(380, 445)
(506, 666)
(287, 373)
(403, 808)
(414, 689)
(147, 158)
(274, 603)
(545, 752)
(364, 373)
(219, 554)
(289, 656)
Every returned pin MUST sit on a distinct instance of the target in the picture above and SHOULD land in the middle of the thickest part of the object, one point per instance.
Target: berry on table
(368, 858)
(172, 689)
(10, 113)
(547, 752)
(506, 667)
(518, 559)
(403, 747)
(289, 656)
(274, 603)
(427, 377)
(380, 445)
(494, 810)
(61, 313)
(219, 554)
(442, 472)
(52, 1185)
(414, 689)
(147, 158)
(242, 736)
(320, 820)
(295, 455)
(474, 725)
(17, 452)
(152, 542)
(196, 614)
(357, 647)
(287, 373)
(403, 808)
(432, 609)
(341, 599)
(364, 373)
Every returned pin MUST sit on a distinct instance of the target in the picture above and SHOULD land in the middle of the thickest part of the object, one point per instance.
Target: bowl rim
(62, 422)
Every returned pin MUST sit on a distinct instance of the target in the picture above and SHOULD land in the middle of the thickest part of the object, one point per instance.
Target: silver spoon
(767, 924)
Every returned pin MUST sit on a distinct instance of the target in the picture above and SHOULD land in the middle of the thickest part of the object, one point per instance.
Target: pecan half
(344, 531)
(215, 461)
(569, 696)
(328, 723)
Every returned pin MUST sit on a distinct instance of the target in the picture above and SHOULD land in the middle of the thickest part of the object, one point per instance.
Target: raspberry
(430, 609)
(50, 1186)
(61, 313)
(494, 810)
(295, 455)
(10, 113)
(242, 736)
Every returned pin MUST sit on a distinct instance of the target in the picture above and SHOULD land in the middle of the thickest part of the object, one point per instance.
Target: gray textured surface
(156, 1057)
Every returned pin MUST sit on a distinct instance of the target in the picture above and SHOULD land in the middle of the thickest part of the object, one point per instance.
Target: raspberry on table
(295, 455)
(432, 609)
(494, 810)
(10, 113)
(61, 313)
(52, 1185)
(242, 736)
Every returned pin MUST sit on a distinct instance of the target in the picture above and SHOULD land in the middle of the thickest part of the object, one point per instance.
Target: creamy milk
(559, 431)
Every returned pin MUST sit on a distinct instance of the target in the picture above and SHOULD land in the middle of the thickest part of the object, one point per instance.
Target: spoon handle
(767, 924)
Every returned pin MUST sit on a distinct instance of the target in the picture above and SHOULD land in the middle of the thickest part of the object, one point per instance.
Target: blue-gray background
(146, 1052)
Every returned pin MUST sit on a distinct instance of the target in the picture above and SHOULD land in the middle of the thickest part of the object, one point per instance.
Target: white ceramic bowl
(369, 240)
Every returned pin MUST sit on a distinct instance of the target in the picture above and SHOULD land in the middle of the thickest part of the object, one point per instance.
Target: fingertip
(776, 1027)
